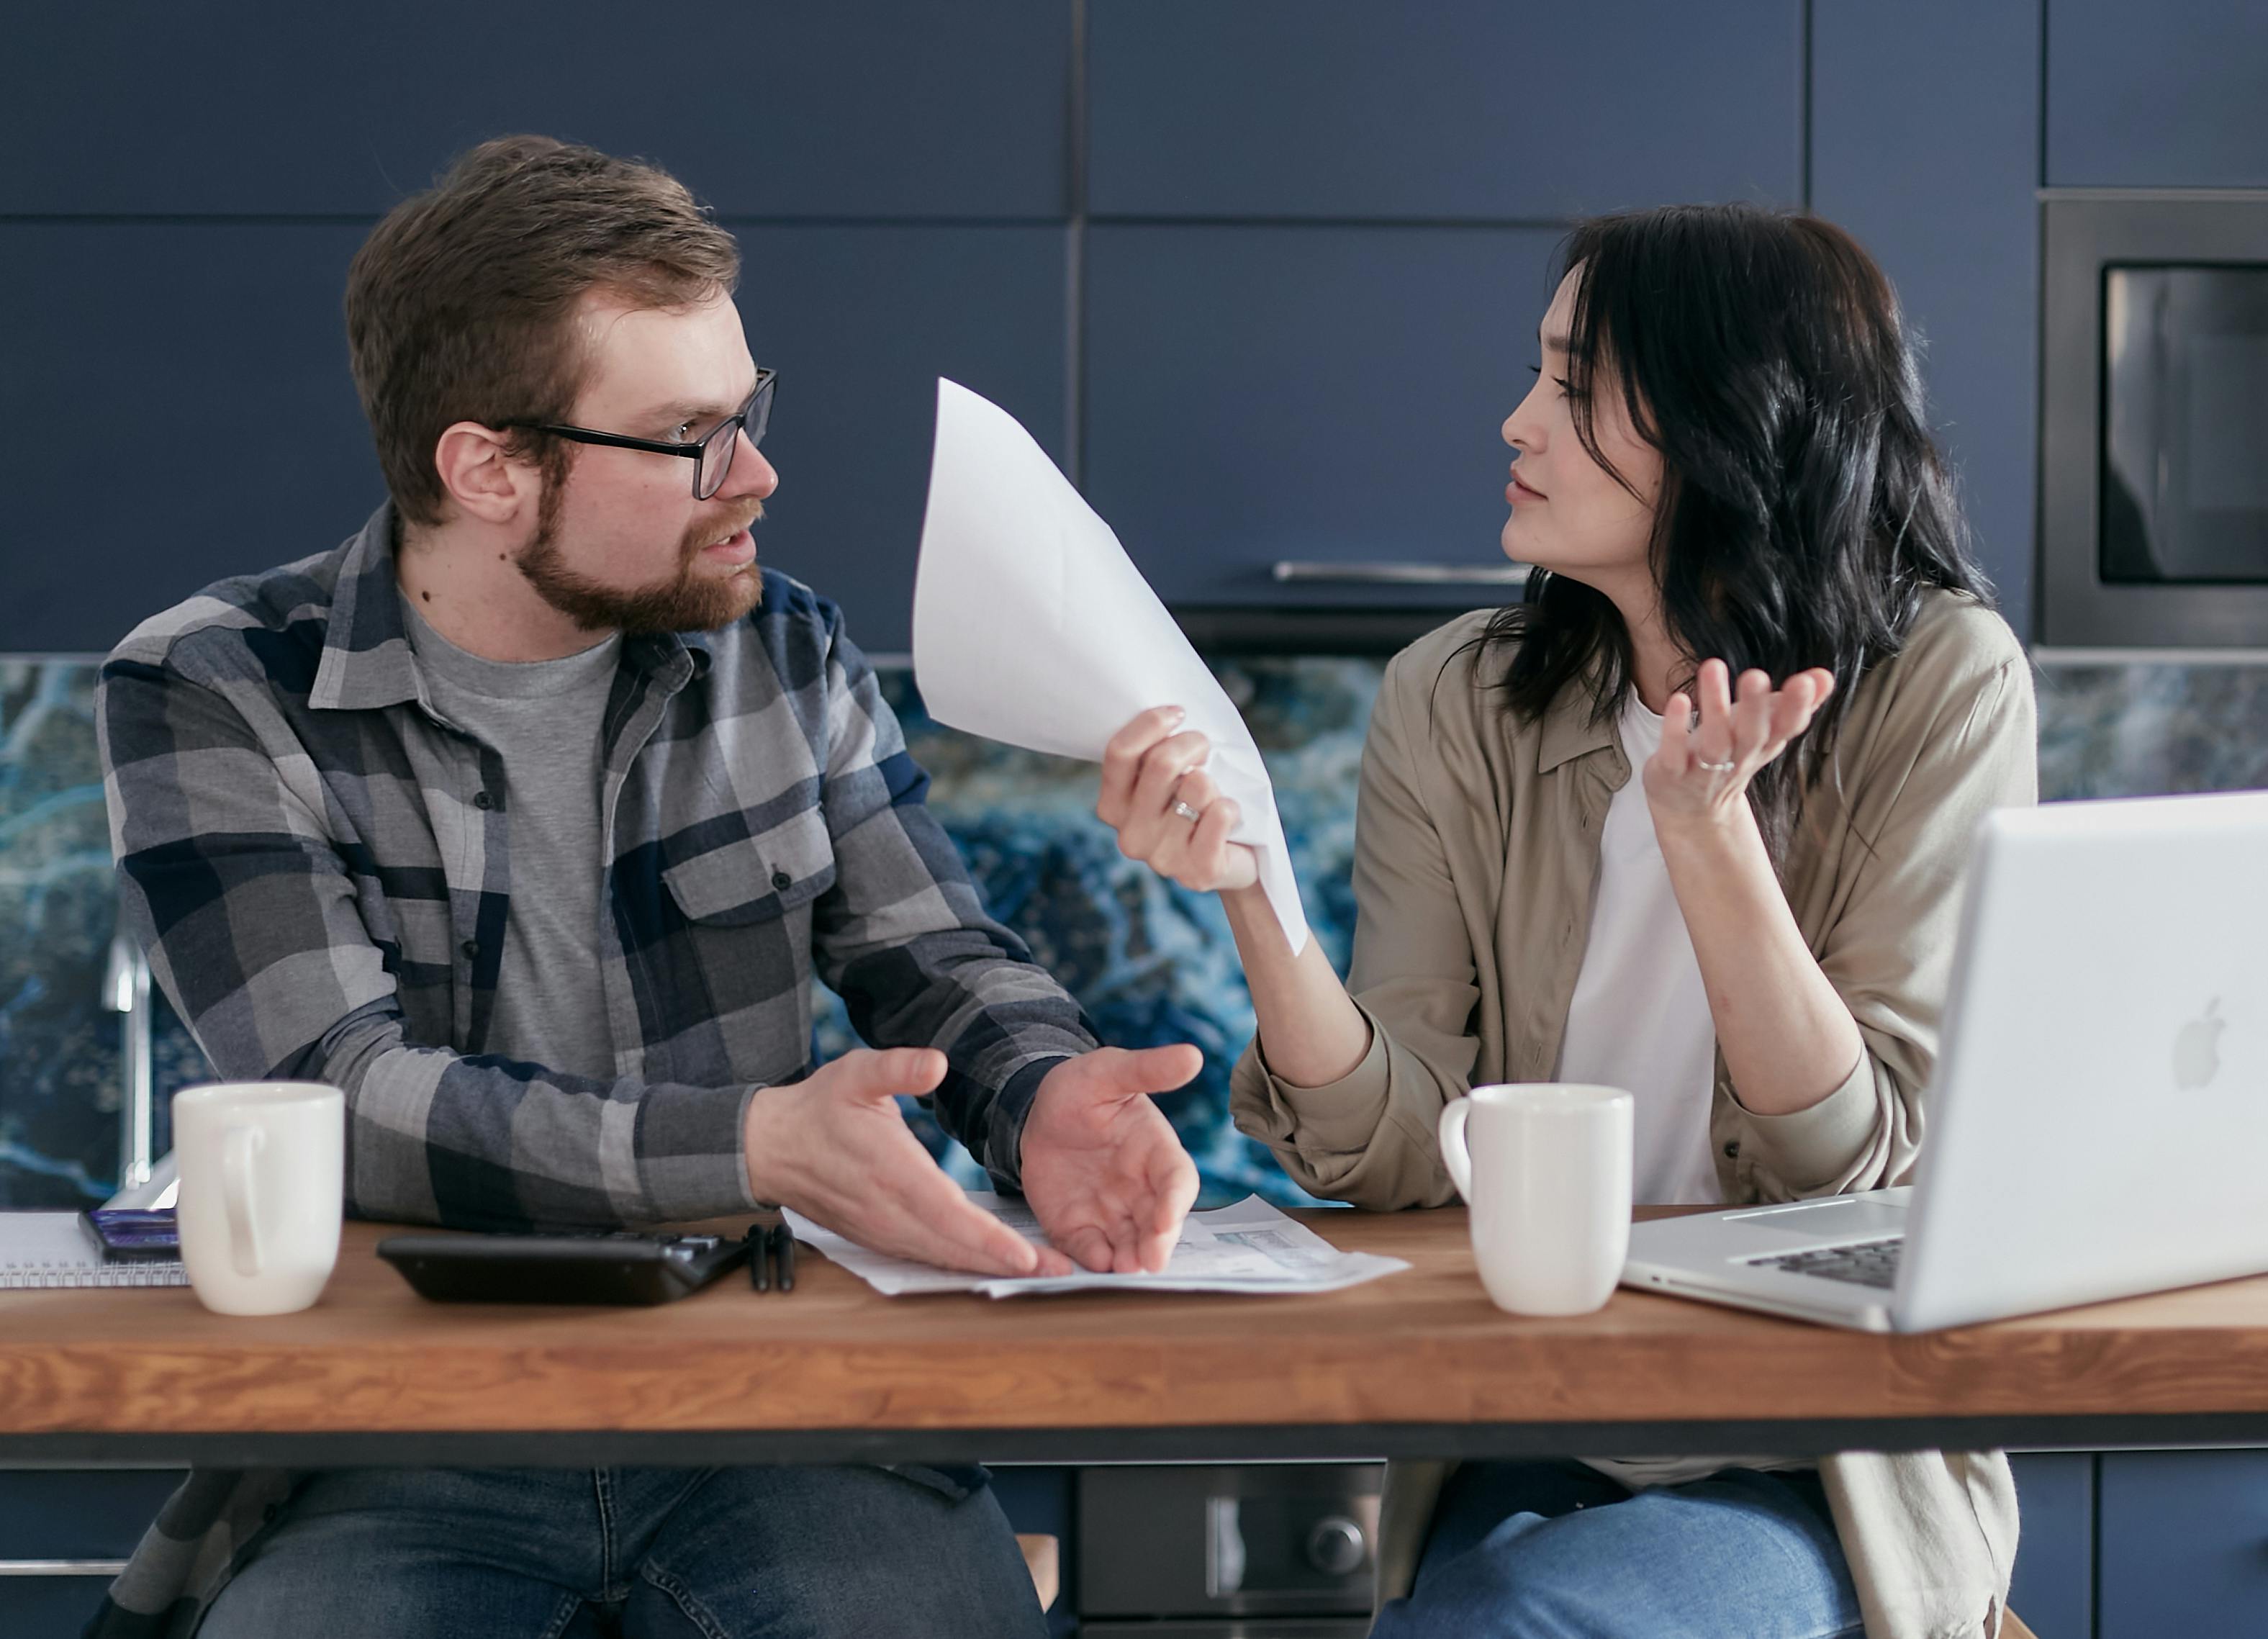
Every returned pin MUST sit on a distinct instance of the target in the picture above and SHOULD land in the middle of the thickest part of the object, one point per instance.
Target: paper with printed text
(1251, 1247)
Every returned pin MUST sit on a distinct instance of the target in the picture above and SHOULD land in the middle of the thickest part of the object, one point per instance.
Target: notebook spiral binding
(21, 1277)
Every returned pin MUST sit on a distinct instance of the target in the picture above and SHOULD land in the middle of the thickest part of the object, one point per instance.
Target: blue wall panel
(2184, 1544)
(1265, 393)
(176, 407)
(860, 321)
(2174, 95)
(854, 107)
(1462, 108)
(184, 410)
(1925, 143)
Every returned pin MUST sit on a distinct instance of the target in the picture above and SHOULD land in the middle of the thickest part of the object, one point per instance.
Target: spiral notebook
(49, 1248)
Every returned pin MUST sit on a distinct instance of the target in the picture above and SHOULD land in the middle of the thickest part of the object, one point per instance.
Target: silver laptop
(2099, 1123)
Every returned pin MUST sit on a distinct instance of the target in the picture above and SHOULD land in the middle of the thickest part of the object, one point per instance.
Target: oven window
(2185, 424)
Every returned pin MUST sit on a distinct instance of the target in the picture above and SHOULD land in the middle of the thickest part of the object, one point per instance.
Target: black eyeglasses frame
(758, 408)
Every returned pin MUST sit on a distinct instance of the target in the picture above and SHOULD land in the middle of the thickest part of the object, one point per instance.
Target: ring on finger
(1725, 767)
(1185, 811)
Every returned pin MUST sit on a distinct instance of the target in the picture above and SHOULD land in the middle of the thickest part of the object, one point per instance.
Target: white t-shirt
(1640, 1018)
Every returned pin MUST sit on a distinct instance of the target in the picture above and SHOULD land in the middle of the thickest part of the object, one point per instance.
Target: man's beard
(688, 602)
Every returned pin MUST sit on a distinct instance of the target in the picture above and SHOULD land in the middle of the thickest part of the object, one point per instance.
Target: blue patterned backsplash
(1151, 962)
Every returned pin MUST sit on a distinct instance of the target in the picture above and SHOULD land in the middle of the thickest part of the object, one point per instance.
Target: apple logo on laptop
(2196, 1049)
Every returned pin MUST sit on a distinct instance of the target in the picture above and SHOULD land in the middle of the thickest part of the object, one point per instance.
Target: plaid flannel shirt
(320, 867)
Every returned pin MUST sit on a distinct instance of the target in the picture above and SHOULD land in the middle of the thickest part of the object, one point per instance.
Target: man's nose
(751, 473)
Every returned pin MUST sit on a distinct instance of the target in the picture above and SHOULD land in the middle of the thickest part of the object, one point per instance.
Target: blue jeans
(1560, 1550)
(639, 1553)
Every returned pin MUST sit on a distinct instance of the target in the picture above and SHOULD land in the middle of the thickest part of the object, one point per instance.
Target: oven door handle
(1287, 571)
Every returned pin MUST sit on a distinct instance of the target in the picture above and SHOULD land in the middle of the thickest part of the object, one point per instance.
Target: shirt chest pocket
(756, 879)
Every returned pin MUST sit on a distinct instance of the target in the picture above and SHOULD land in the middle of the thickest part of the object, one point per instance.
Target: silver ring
(1725, 767)
(1186, 811)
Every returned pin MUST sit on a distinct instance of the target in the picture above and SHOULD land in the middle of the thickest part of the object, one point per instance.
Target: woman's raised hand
(1165, 807)
(1712, 744)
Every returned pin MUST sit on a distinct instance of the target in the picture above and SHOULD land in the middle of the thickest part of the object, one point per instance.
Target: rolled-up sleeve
(1888, 951)
(902, 934)
(1368, 1138)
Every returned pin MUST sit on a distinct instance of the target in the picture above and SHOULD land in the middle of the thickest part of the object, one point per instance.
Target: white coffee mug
(263, 1174)
(1545, 1167)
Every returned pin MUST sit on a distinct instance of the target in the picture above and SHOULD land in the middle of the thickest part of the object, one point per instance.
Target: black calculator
(602, 1267)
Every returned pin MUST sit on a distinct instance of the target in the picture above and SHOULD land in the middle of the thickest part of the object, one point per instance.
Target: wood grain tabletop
(1421, 1347)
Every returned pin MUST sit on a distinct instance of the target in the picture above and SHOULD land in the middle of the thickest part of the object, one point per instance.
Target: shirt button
(1733, 1151)
(472, 950)
(482, 800)
(782, 880)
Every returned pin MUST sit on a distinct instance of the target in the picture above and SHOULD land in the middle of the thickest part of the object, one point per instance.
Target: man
(525, 816)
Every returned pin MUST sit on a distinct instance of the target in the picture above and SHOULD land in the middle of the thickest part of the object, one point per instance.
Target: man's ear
(481, 478)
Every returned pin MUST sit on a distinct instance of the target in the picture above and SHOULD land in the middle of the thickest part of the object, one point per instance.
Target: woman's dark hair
(1804, 510)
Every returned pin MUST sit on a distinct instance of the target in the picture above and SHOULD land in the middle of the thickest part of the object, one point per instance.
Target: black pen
(759, 1253)
(783, 1240)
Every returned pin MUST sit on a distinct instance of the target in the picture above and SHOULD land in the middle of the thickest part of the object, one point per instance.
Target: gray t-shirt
(544, 719)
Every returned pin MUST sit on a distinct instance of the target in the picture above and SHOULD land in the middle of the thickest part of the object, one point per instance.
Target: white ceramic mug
(1545, 1167)
(262, 1175)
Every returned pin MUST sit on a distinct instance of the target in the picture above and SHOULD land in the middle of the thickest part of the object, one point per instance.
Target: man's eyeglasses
(711, 457)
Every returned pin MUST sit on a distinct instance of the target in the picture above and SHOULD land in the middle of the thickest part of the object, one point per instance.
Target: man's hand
(837, 1148)
(1102, 1167)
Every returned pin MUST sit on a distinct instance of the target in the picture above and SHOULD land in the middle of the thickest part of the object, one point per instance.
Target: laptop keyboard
(1869, 1263)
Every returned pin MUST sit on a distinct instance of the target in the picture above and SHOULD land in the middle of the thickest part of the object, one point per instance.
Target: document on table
(1251, 1247)
(1032, 627)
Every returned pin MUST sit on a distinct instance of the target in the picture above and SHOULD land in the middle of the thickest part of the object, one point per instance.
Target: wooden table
(1416, 1365)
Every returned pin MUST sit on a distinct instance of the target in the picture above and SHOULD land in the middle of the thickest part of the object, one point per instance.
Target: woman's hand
(1703, 769)
(1169, 814)
(1165, 807)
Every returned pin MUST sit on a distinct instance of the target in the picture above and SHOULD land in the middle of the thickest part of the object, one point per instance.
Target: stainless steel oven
(1258, 1551)
(2154, 471)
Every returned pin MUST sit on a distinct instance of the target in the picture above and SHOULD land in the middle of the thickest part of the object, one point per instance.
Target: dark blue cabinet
(855, 108)
(2053, 1589)
(1259, 394)
(1925, 143)
(2183, 1544)
(1459, 109)
(2173, 94)
(69, 1516)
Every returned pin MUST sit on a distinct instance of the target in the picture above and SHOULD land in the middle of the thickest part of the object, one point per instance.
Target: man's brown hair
(459, 305)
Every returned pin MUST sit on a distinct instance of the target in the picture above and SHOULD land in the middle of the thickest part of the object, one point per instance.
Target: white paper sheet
(1251, 1247)
(1032, 627)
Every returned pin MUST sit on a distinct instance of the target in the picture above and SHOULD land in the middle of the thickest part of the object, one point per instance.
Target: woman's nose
(1523, 428)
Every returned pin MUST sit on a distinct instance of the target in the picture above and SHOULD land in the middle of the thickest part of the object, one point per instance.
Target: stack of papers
(1251, 1247)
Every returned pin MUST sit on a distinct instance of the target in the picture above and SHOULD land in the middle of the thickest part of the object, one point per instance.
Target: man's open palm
(1102, 1169)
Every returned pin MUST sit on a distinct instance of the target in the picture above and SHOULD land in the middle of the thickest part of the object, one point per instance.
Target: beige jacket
(1477, 856)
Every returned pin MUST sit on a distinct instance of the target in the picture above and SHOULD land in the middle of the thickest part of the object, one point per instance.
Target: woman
(1751, 586)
